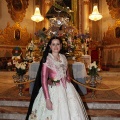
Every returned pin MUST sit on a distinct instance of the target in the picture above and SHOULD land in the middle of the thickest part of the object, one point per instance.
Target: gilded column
(75, 14)
(85, 16)
(80, 16)
(47, 5)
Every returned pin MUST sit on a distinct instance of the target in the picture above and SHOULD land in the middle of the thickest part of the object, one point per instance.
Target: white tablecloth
(86, 59)
(79, 74)
(79, 70)
(33, 68)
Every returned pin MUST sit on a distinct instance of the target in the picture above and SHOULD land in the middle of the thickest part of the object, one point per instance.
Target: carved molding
(17, 9)
(86, 2)
(110, 36)
(114, 8)
(7, 36)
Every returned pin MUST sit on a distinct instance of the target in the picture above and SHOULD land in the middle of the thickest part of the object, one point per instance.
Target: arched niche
(17, 9)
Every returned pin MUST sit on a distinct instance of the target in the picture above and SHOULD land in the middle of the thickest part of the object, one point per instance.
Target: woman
(57, 99)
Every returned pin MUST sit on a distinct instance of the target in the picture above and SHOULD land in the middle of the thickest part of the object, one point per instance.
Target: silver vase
(21, 85)
(93, 81)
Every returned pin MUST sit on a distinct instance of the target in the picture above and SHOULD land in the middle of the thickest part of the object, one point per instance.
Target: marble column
(85, 16)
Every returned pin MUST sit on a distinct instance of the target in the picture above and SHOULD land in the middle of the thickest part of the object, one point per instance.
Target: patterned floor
(109, 80)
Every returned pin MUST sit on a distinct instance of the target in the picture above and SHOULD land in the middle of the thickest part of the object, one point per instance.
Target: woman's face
(55, 46)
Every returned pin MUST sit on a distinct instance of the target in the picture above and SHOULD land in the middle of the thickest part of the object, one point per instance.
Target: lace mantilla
(59, 67)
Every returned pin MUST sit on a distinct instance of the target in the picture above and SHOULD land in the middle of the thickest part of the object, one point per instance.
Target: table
(86, 59)
(32, 72)
(80, 74)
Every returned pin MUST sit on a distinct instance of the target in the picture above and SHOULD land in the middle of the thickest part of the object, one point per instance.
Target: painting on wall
(117, 32)
(114, 8)
(17, 34)
(14, 35)
(17, 9)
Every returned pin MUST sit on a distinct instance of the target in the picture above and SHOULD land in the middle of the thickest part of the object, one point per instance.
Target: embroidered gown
(66, 103)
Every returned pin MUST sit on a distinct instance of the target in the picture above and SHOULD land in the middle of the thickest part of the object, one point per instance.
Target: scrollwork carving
(8, 36)
(112, 35)
(17, 9)
(114, 8)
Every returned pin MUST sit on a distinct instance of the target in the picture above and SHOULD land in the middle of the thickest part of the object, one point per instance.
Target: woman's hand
(49, 104)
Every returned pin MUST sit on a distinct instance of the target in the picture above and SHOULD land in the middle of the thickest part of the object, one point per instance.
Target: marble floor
(107, 101)
(9, 90)
(108, 93)
(110, 79)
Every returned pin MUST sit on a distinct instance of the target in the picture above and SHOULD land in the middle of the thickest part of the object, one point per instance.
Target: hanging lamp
(37, 17)
(95, 16)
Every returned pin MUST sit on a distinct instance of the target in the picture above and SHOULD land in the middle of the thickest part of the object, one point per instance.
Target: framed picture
(17, 34)
(17, 9)
(117, 32)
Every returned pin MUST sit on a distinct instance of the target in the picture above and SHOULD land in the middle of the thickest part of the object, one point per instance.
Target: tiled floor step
(101, 105)
(92, 112)
(91, 105)
(104, 118)
(11, 109)
(109, 73)
(14, 103)
(103, 112)
(13, 113)
(6, 116)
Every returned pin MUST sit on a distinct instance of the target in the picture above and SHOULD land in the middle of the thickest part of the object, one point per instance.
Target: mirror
(17, 9)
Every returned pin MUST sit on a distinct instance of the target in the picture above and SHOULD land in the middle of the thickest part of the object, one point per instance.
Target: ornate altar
(13, 36)
(112, 35)
(111, 43)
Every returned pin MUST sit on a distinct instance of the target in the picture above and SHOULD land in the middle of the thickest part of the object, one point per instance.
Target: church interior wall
(7, 24)
(107, 19)
(5, 17)
(110, 37)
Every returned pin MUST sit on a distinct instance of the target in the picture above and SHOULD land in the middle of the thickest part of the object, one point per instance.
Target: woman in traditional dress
(57, 99)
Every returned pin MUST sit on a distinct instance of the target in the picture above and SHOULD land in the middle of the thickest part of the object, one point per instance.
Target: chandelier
(37, 17)
(95, 16)
(59, 20)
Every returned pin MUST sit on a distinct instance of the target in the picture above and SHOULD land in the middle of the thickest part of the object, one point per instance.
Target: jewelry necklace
(57, 58)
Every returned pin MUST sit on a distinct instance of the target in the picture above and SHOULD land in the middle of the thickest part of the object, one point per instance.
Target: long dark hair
(48, 50)
(37, 83)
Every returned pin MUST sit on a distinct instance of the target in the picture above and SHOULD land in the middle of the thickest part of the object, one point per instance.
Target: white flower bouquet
(55, 81)
(21, 68)
(93, 69)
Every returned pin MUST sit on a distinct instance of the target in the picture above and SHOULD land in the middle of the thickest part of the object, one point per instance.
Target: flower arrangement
(93, 69)
(54, 81)
(84, 38)
(21, 68)
(44, 35)
(29, 51)
(30, 46)
(41, 34)
(43, 38)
